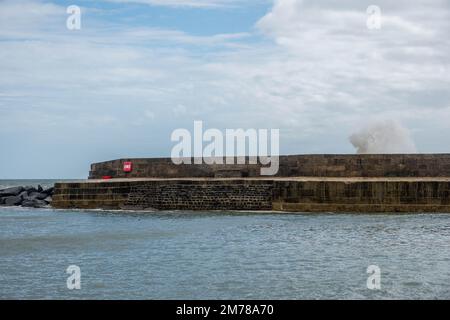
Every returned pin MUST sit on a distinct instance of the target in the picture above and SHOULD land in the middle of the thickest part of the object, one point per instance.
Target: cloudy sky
(138, 69)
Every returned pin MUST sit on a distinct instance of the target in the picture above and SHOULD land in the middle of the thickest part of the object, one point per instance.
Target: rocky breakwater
(27, 196)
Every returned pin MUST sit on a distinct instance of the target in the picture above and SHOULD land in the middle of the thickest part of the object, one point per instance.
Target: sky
(139, 69)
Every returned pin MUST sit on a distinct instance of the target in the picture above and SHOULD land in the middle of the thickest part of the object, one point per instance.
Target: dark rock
(36, 195)
(31, 196)
(34, 203)
(30, 189)
(14, 191)
(13, 200)
(48, 191)
(41, 196)
(23, 194)
(27, 196)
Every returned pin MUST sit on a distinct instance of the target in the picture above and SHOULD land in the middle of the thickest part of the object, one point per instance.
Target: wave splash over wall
(381, 137)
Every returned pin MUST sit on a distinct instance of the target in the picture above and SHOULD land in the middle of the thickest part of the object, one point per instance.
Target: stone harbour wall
(326, 165)
(407, 195)
(186, 195)
(166, 195)
(296, 195)
(304, 183)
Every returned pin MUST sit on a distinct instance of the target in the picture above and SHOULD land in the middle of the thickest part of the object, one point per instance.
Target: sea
(95, 254)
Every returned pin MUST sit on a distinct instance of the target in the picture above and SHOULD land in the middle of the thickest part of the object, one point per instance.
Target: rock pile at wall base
(27, 196)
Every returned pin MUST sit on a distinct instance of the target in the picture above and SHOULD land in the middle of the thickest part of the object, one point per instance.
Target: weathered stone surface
(34, 203)
(36, 195)
(48, 191)
(297, 194)
(14, 191)
(30, 189)
(403, 182)
(41, 196)
(13, 200)
(23, 194)
(19, 195)
(328, 165)
(208, 196)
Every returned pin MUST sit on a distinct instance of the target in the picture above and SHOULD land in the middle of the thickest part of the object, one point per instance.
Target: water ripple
(222, 255)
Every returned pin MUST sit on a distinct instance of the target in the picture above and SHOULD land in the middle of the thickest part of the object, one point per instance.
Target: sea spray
(387, 136)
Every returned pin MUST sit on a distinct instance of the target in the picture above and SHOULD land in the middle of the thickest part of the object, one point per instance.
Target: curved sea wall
(296, 194)
(304, 183)
(325, 165)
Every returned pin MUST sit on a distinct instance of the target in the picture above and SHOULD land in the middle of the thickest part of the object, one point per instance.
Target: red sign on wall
(127, 166)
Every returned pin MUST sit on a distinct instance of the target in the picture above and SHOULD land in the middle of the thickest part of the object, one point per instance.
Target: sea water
(221, 255)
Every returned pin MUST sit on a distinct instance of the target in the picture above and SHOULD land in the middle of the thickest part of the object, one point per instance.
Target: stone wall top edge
(325, 155)
(126, 181)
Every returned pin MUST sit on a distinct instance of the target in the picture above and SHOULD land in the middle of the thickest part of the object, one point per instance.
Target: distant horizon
(295, 154)
(87, 171)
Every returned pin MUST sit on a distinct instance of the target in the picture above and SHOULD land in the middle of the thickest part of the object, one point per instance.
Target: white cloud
(316, 73)
(331, 53)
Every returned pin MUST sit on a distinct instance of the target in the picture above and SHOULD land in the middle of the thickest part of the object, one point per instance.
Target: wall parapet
(325, 165)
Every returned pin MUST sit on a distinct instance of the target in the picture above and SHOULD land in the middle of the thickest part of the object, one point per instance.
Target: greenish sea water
(221, 255)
